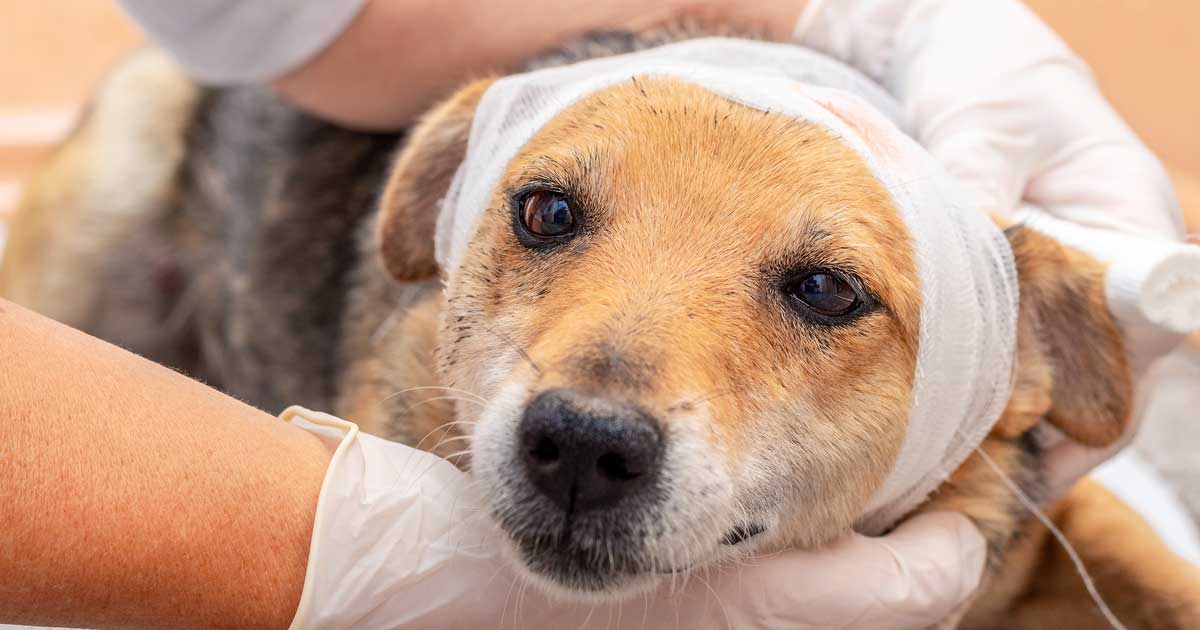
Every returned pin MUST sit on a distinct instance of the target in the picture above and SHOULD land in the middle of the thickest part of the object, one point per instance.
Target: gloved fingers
(942, 555)
(861, 34)
(993, 135)
(1010, 123)
(911, 578)
(1071, 154)
(1116, 184)
(1029, 125)
(914, 577)
(1067, 462)
(1091, 168)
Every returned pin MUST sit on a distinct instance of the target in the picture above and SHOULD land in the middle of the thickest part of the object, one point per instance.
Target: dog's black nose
(584, 452)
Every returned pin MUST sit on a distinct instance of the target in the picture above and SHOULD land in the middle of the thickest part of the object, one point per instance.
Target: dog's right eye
(827, 293)
(829, 297)
(547, 215)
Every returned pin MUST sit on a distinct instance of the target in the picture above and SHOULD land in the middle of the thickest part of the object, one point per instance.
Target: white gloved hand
(1016, 116)
(400, 541)
(1005, 105)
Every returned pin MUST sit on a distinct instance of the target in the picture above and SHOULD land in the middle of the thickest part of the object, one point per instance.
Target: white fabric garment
(232, 41)
(968, 281)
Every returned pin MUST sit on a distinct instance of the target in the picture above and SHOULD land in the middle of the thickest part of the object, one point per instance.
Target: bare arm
(133, 495)
(396, 57)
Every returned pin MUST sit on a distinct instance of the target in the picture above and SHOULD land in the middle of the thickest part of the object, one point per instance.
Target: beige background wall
(1144, 51)
(52, 53)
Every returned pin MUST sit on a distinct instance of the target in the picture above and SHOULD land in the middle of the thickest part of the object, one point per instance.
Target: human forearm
(135, 496)
(396, 57)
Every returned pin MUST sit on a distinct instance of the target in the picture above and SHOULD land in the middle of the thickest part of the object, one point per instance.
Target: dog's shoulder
(278, 198)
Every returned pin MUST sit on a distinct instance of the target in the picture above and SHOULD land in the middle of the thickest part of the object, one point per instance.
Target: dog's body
(223, 233)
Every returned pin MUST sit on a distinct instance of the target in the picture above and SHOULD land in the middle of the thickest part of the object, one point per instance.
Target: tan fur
(1162, 593)
(1063, 300)
(420, 412)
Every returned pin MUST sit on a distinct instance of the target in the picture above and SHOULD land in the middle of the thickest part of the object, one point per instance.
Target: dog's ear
(419, 179)
(1071, 365)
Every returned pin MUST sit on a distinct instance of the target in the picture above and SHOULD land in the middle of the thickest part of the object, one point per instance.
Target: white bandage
(965, 267)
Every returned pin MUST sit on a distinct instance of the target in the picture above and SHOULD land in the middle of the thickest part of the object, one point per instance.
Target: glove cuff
(400, 537)
(329, 429)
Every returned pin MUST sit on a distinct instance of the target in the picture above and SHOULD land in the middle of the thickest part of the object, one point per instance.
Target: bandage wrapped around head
(966, 273)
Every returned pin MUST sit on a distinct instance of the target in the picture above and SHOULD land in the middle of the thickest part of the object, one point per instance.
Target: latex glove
(1016, 116)
(400, 541)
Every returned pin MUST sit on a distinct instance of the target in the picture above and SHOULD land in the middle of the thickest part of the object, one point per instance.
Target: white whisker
(457, 390)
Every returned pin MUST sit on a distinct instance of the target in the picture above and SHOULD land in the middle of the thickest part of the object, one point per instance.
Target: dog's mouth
(736, 536)
(742, 533)
(598, 566)
(588, 567)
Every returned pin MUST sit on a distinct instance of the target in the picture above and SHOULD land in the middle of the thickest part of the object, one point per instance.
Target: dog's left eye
(547, 214)
(828, 293)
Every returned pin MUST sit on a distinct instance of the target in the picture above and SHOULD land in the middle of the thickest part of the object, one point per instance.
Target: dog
(645, 353)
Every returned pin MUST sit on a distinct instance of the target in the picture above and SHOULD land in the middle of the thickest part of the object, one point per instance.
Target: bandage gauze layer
(965, 267)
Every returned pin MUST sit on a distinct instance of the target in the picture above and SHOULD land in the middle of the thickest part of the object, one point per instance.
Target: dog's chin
(572, 575)
(592, 589)
(566, 576)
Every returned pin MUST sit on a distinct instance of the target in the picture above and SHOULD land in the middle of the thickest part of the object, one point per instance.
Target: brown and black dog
(671, 342)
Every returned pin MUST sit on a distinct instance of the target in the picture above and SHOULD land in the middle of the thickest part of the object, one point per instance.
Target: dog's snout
(584, 452)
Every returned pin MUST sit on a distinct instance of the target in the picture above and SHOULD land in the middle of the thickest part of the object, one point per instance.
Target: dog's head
(696, 327)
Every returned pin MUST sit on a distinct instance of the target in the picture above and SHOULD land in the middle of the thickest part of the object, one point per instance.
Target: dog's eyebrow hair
(567, 174)
(564, 185)
(814, 248)
(558, 169)
(639, 86)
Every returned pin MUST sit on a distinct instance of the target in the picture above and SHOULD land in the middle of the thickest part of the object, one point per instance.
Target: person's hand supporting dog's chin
(402, 540)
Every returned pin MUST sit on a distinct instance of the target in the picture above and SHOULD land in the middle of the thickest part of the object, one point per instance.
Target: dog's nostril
(615, 467)
(585, 453)
(544, 452)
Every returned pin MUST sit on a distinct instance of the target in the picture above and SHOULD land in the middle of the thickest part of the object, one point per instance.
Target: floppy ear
(1071, 366)
(418, 181)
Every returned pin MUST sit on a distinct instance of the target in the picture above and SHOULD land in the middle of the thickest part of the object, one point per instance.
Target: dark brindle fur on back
(275, 199)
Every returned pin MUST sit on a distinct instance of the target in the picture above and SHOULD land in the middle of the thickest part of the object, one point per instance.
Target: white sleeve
(239, 41)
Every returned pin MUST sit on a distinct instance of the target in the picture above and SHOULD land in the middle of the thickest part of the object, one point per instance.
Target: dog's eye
(826, 292)
(547, 214)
